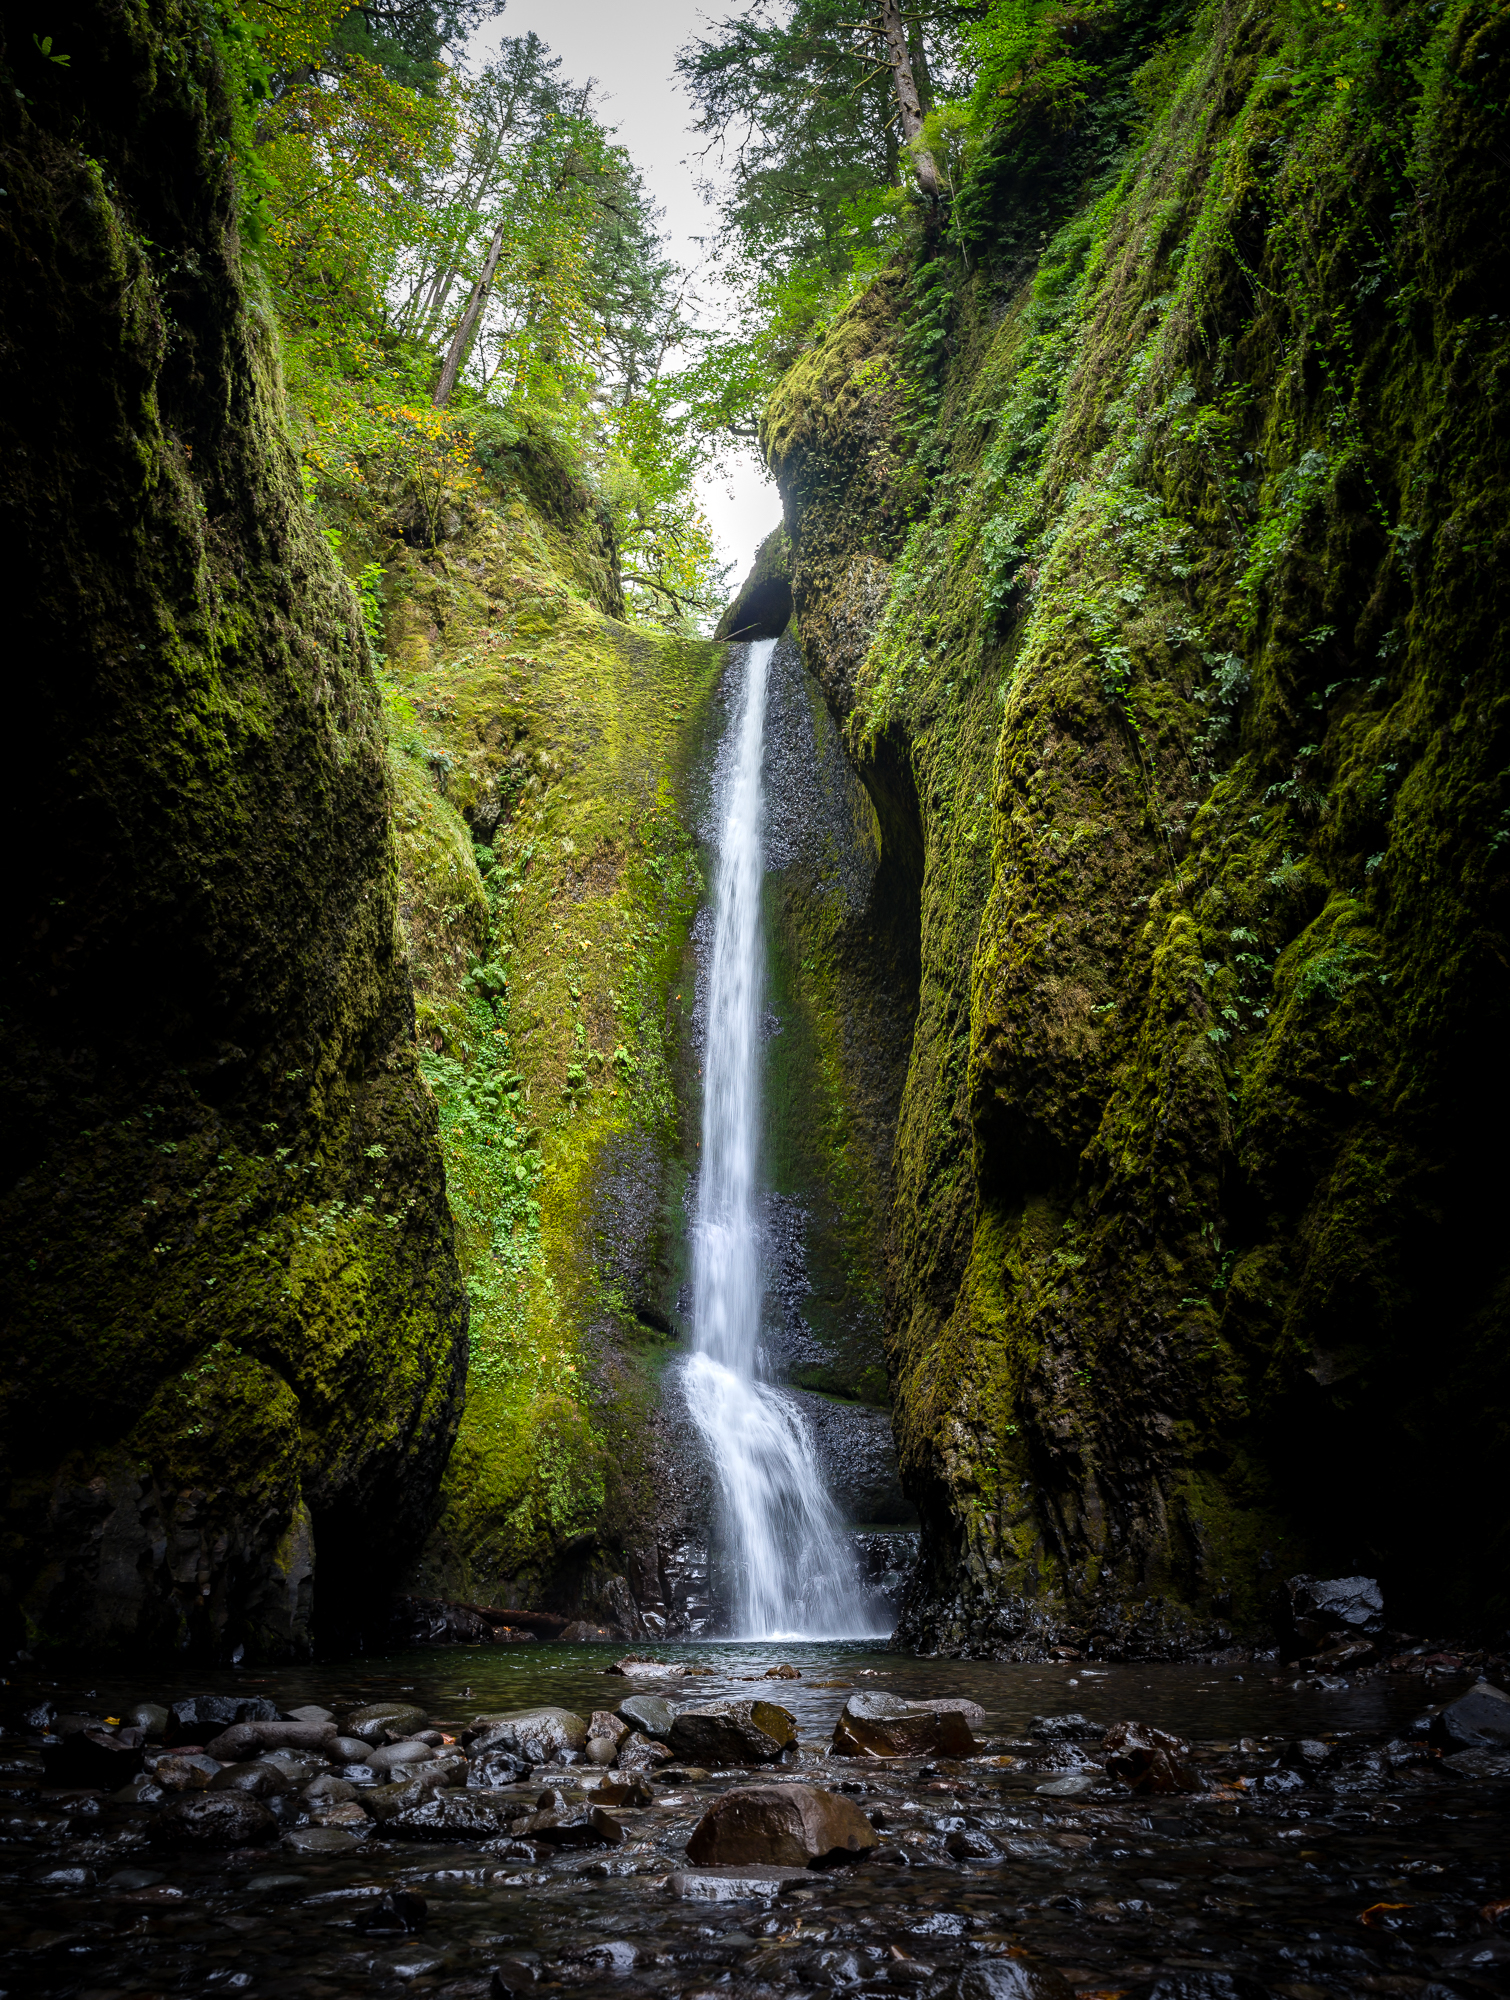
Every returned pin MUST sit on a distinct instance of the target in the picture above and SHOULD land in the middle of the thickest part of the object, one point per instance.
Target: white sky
(630, 48)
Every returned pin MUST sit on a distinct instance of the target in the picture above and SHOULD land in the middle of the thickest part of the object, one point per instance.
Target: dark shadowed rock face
(234, 1329)
(795, 1826)
(881, 1725)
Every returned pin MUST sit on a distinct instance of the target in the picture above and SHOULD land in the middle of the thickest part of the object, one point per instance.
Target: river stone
(389, 1756)
(1071, 1728)
(878, 1725)
(246, 1739)
(1072, 1786)
(953, 1704)
(253, 1781)
(322, 1839)
(346, 1750)
(1009, 1979)
(603, 1722)
(732, 1732)
(456, 1815)
(1474, 1721)
(634, 1666)
(538, 1735)
(1148, 1760)
(650, 1712)
(378, 1719)
(202, 1716)
(736, 1885)
(576, 1826)
(327, 1789)
(642, 1753)
(151, 1718)
(491, 1770)
(311, 1712)
(782, 1826)
(215, 1819)
(185, 1774)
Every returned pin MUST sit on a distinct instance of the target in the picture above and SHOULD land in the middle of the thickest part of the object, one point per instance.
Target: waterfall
(794, 1572)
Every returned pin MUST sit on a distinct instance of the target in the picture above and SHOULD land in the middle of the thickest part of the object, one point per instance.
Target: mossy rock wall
(551, 765)
(1164, 621)
(234, 1328)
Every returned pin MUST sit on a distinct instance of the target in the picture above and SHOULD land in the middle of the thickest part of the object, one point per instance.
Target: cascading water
(794, 1573)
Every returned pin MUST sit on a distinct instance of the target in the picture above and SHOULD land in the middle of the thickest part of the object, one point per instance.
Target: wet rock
(1008, 1979)
(638, 1667)
(322, 1839)
(1071, 1728)
(642, 1753)
(325, 1790)
(151, 1718)
(1307, 1753)
(785, 1672)
(125, 1879)
(513, 1975)
(618, 1792)
(650, 1712)
(785, 1826)
(490, 1770)
(389, 1756)
(184, 1774)
(457, 1815)
(538, 1735)
(881, 1725)
(600, 1751)
(399, 1912)
(1474, 1721)
(40, 1718)
(1201, 1986)
(93, 1757)
(252, 1781)
(1308, 1612)
(580, 1826)
(604, 1723)
(1148, 1760)
(736, 1884)
(201, 1716)
(346, 1750)
(1484, 1763)
(971, 1844)
(732, 1732)
(375, 1721)
(214, 1819)
(311, 1712)
(248, 1739)
(1073, 1785)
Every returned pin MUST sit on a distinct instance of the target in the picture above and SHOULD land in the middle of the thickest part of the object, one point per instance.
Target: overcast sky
(630, 47)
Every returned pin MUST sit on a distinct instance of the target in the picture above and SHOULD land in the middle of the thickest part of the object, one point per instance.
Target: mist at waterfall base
(793, 1572)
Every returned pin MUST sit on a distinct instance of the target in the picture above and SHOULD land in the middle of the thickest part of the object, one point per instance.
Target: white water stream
(794, 1573)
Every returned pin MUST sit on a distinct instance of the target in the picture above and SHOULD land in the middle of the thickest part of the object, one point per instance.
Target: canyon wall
(1148, 540)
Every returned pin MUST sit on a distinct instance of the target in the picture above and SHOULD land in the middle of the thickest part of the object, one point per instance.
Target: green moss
(1156, 626)
(234, 1328)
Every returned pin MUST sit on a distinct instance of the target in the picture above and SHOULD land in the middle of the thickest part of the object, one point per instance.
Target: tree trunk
(909, 104)
(461, 340)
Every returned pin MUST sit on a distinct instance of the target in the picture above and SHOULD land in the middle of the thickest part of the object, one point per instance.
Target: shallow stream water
(1377, 1871)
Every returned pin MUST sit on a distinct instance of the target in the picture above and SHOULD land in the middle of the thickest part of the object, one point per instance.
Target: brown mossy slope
(234, 1330)
(1167, 619)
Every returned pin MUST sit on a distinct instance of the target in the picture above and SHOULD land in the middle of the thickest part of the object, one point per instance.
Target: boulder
(94, 1757)
(637, 1667)
(150, 1718)
(1148, 1760)
(346, 1750)
(491, 1770)
(732, 1732)
(389, 1756)
(185, 1774)
(413, 1787)
(782, 1826)
(537, 1735)
(574, 1826)
(246, 1739)
(879, 1725)
(457, 1815)
(785, 1672)
(201, 1716)
(378, 1720)
(642, 1753)
(1309, 1613)
(1474, 1721)
(603, 1722)
(1073, 1728)
(736, 1885)
(252, 1781)
(650, 1712)
(214, 1819)
(1008, 1979)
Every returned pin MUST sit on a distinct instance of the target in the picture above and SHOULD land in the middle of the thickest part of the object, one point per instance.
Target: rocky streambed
(760, 1821)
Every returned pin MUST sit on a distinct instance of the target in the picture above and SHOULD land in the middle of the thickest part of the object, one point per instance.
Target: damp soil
(1359, 1864)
